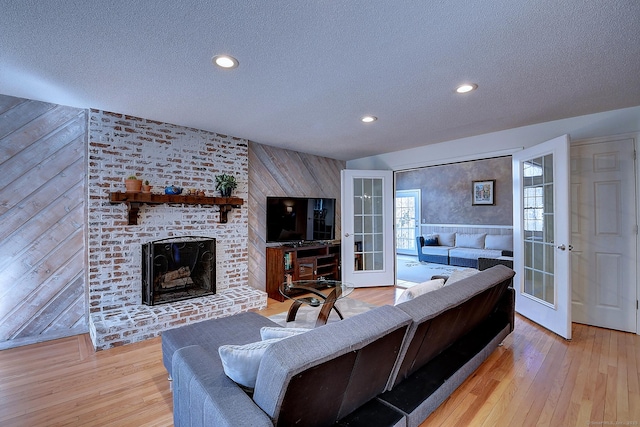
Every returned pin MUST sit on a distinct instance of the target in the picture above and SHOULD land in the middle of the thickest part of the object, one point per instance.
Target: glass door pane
(407, 217)
(538, 220)
(368, 231)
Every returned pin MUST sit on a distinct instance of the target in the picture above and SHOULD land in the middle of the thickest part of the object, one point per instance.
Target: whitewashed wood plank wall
(278, 172)
(42, 212)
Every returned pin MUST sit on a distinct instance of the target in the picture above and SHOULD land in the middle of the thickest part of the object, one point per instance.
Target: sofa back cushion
(322, 375)
(441, 317)
(470, 240)
(447, 239)
(499, 242)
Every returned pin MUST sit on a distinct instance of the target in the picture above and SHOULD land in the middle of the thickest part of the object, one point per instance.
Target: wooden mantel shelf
(134, 200)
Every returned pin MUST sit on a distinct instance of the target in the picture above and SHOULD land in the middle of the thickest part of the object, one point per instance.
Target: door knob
(562, 247)
(347, 235)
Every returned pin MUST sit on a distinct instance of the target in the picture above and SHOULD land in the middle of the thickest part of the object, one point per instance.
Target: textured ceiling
(310, 69)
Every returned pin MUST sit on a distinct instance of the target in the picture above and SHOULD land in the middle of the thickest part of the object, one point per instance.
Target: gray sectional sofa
(463, 249)
(390, 366)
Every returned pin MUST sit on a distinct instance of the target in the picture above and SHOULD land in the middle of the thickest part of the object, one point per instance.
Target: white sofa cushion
(420, 289)
(458, 275)
(270, 332)
(470, 240)
(499, 241)
(447, 239)
(241, 362)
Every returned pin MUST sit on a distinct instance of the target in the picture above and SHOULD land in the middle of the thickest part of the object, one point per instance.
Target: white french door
(368, 258)
(541, 234)
(407, 219)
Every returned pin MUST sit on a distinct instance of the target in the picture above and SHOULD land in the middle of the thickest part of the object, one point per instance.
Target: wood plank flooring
(535, 379)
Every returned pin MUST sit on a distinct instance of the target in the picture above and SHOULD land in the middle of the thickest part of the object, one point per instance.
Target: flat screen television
(297, 219)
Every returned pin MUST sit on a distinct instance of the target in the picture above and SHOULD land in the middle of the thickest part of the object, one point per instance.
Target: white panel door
(541, 234)
(368, 257)
(603, 206)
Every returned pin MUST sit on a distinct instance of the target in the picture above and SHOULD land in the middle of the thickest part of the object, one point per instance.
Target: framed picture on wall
(483, 192)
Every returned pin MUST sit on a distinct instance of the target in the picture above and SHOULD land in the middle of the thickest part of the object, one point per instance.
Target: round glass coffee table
(315, 293)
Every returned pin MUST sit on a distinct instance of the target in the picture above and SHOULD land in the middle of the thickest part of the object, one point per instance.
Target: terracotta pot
(146, 188)
(133, 185)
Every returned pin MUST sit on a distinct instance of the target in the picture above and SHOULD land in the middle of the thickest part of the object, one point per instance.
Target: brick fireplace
(164, 154)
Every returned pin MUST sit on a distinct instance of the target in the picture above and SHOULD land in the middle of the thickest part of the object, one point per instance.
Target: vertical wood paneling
(42, 210)
(278, 172)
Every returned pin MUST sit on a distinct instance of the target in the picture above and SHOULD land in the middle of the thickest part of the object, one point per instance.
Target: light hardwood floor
(534, 379)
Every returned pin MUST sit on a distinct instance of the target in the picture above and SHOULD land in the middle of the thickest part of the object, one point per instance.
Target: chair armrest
(420, 241)
(204, 396)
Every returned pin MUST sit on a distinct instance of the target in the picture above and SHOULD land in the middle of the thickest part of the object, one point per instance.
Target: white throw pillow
(271, 332)
(420, 289)
(499, 242)
(241, 362)
(458, 275)
(470, 240)
(447, 239)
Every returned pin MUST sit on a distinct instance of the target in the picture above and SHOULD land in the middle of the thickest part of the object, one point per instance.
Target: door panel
(367, 227)
(541, 234)
(604, 212)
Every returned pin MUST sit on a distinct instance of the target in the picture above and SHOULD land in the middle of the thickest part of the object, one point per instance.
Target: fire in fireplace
(178, 268)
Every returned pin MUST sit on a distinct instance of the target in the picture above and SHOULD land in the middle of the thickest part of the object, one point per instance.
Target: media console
(310, 261)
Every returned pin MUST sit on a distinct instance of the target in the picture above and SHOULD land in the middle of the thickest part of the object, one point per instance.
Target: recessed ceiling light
(225, 61)
(467, 87)
(368, 119)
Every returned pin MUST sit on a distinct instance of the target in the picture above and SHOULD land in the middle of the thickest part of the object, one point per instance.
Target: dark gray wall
(446, 192)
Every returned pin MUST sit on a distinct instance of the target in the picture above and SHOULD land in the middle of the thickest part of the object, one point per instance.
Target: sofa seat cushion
(241, 328)
(436, 250)
(470, 253)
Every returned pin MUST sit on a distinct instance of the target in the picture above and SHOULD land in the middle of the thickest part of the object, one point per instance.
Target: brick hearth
(164, 154)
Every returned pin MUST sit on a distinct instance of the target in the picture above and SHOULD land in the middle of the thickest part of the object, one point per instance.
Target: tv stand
(311, 261)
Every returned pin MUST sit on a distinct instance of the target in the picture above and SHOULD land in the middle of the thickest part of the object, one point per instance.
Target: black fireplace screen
(178, 269)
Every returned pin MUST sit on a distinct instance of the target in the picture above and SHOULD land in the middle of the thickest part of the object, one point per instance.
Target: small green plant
(132, 177)
(225, 184)
(146, 182)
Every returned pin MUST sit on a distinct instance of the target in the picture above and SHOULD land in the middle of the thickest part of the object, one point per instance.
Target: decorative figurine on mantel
(172, 190)
(225, 184)
(146, 188)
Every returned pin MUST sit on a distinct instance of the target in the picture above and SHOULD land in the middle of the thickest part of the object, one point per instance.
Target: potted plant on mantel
(146, 188)
(225, 184)
(133, 184)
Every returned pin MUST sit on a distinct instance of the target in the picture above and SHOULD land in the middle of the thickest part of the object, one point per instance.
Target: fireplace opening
(177, 269)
